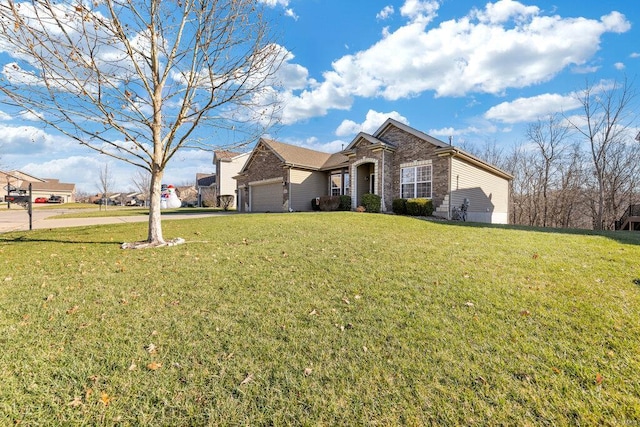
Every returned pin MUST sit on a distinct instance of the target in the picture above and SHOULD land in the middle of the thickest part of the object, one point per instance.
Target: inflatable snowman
(169, 198)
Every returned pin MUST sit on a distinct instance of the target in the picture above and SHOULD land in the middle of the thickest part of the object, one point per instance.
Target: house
(19, 182)
(206, 189)
(228, 164)
(396, 161)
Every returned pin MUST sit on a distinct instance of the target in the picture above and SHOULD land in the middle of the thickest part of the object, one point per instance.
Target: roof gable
(418, 134)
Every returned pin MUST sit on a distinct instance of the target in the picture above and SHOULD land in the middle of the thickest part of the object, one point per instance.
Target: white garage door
(266, 198)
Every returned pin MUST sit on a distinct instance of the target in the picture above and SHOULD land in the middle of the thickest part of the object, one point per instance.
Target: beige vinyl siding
(305, 185)
(488, 194)
(266, 197)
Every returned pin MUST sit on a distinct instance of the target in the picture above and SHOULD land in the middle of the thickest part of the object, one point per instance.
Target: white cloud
(291, 14)
(371, 123)
(423, 11)
(386, 12)
(524, 110)
(619, 66)
(282, 3)
(635, 55)
(505, 45)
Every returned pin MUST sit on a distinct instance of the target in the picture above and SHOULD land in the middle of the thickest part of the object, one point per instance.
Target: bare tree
(605, 123)
(549, 136)
(137, 79)
(142, 184)
(105, 184)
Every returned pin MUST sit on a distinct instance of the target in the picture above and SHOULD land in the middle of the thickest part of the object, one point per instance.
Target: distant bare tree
(105, 184)
(142, 183)
(604, 123)
(549, 136)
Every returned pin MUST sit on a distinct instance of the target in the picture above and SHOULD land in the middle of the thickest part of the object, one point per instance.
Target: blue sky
(475, 70)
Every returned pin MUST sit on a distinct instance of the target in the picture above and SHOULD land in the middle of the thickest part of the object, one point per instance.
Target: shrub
(399, 206)
(314, 204)
(345, 203)
(371, 202)
(225, 200)
(329, 203)
(419, 207)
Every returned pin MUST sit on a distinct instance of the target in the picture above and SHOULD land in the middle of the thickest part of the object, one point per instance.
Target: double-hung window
(336, 184)
(415, 182)
(339, 183)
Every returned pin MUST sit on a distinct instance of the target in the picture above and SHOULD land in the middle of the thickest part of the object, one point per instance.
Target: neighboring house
(206, 188)
(397, 161)
(228, 164)
(188, 195)
(40, 187)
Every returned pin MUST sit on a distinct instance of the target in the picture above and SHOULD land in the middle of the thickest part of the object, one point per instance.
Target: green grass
(320, 319)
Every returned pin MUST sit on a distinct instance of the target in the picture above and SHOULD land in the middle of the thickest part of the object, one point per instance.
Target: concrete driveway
(17, 219)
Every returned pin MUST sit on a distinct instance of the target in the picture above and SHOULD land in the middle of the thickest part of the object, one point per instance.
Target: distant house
(19, 182)
(228, 164)
(206, 189)
(396, 161)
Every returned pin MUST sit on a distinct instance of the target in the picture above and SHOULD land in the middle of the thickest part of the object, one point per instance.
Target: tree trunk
(154, 236)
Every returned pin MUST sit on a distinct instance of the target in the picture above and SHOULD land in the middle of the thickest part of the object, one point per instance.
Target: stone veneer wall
(410, 148)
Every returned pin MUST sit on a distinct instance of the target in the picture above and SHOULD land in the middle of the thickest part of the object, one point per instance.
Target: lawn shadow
(625, 237)
(39, 239)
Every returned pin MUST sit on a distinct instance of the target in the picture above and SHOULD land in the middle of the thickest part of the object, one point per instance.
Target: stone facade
(411, 149)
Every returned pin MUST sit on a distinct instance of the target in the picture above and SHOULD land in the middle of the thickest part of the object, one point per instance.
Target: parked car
(55, 199)
(40, 200)
(108, 202)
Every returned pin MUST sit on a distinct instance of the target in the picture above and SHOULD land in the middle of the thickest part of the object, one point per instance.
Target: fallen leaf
(49, 297)
(555, 370)
(151, 348)
(133, 366)
(77, 401)
(105, 399)
(599, 378)
(247, 380)
(154, 366)
(313, 312)
(307, 372)
(525, 313)
(346, 301)
(73, 309)
(468, 304)
(535, 256)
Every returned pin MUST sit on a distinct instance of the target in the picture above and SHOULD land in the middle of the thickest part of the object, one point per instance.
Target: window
(415, 182)
(339, 183)
(347, 183)
(336, 184)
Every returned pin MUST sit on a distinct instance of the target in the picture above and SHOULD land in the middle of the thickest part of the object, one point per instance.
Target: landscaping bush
(225, 200)
(314, 204)
(345, 203)
(399, 206)
(419, 207)
(329, 203)
(371, 202)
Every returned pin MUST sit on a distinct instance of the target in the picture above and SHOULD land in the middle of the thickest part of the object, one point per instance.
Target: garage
(266, 197)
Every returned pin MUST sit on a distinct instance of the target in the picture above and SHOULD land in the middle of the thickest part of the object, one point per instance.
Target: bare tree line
(580, 170)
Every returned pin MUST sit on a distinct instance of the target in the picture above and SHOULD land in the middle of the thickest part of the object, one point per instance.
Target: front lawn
(319, 319)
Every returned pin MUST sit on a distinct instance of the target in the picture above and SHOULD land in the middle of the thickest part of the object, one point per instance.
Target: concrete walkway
(17, 218)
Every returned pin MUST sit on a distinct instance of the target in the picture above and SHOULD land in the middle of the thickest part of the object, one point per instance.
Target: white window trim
(414, 165)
